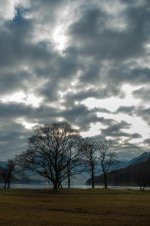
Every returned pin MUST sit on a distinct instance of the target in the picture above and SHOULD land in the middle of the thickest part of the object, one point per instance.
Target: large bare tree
(107, 158)
(52, 152)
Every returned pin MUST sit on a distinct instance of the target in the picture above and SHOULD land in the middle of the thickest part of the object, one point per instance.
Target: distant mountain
(140, 158)
(130, 175)
(121, 164)
(124, 163)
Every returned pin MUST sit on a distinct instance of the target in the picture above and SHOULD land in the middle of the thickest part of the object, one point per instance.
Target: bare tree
(74, 163)
(6, 173)
(89, 154)
(107, 158)
(51, 152)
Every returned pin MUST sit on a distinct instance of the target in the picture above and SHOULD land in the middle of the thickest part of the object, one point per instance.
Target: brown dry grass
(74, 207)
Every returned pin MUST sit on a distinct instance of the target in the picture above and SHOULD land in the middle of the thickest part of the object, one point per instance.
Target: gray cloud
(147, 141)
(90, 33)
(13, 140)
(115, 130)
(126, 110)
(123, 74)
(142, 93)
(102, 53)
(145, 114)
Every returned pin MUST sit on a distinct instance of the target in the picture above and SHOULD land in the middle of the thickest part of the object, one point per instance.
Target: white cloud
(21, 97)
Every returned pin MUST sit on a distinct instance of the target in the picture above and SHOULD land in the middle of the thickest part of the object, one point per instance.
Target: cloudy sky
(84, 61)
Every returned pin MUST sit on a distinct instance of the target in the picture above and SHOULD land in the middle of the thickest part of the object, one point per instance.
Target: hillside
(144, 156)
(130, 175)
(124, 163)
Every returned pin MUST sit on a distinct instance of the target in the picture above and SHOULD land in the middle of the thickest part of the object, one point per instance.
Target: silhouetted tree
(107, 158)
(89, 155)
(143, 181)
(73, 163)
(6, 173)
(52, 150)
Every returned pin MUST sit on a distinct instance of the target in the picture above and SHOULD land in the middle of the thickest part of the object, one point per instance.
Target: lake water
(40, 186)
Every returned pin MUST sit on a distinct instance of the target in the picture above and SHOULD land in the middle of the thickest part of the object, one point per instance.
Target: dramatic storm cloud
(83, 61)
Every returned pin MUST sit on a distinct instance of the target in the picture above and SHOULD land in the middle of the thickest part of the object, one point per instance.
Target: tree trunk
(55, 185)
(5, 185)
(105, 180)
(93, 181)
(8, 184)
(69, 182)
(68, 174)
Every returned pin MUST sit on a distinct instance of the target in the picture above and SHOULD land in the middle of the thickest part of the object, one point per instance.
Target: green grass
(74, 207)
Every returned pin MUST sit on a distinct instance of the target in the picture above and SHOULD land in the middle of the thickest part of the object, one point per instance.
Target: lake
(81, 186)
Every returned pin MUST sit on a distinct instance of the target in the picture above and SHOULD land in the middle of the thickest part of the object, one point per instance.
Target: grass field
(74, 207)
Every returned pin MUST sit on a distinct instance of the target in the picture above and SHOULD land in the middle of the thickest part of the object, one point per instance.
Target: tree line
(57, 151)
